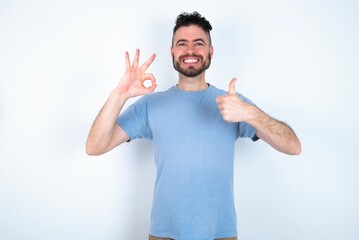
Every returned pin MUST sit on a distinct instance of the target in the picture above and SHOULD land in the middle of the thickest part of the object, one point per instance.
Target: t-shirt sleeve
(134, 120)
(245, 130)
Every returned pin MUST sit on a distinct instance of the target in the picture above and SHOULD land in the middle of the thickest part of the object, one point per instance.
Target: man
(193, 126)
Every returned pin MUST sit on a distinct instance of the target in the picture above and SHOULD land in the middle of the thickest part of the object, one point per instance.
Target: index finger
(148, 62)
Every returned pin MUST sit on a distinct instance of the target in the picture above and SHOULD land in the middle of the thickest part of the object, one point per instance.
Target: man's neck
(193, 84)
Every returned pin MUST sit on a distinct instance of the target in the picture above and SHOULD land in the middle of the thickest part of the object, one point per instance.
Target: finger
(127, 60)
(136, 59)
(148, 80)
(220, 107)
(232, 86)
(151, 80)
(148, 62)
(152, 88)
(149, 76)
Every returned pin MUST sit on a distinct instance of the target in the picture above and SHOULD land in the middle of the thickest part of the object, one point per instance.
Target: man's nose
(190, 49)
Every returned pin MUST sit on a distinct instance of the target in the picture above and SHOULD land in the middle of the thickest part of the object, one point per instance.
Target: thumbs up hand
(232, 107)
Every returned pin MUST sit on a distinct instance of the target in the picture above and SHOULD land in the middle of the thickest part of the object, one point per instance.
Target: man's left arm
(276, 133)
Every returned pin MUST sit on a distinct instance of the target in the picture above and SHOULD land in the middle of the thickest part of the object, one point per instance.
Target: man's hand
(232, 107)
(133, 81)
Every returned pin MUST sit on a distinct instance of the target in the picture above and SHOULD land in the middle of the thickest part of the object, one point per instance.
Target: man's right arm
(105, 133)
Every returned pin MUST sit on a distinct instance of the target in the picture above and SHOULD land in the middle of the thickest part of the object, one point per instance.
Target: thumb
(232, 86)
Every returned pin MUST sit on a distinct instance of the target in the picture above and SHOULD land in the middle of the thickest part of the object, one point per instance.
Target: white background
(59, 60)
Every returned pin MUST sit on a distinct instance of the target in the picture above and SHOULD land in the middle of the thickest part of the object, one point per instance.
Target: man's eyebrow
(199, 40)
(181, 40)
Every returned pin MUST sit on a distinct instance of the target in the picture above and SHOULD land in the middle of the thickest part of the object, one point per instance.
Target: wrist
(119, 94)
(255, 115)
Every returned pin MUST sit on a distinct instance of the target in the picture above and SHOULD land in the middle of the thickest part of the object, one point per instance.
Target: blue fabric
(194, 153)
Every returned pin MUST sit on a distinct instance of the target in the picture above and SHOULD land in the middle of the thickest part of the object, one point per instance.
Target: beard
(191, 71)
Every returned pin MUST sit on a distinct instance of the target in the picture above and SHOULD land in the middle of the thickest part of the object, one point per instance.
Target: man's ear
(211, 50)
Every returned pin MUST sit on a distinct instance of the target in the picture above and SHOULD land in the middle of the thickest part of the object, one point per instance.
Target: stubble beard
(191, 71)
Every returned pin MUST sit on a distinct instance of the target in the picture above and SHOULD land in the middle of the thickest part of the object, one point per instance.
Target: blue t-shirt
(194, 156)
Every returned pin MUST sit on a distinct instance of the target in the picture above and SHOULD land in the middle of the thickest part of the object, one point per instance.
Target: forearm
(276, 133)
(103, 127)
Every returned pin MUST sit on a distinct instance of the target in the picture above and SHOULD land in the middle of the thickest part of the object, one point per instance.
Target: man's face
(191, 51)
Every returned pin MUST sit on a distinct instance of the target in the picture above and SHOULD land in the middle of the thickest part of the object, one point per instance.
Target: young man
(193, 126)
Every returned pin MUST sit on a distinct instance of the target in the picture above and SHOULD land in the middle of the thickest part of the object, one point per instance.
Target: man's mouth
(190, 60)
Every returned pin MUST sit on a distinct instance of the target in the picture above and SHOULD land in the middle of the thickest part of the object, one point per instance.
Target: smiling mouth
(191, 60)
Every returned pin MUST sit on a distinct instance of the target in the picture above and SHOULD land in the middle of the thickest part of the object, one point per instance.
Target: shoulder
(217, 91)
(155, 98)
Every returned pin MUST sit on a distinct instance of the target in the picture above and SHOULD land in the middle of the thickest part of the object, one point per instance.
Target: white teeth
(190, 60)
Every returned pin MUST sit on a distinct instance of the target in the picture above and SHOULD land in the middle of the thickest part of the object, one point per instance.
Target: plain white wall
(59, 60)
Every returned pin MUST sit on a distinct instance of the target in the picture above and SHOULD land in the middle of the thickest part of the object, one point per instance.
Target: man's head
(191, 44)
(187, 19)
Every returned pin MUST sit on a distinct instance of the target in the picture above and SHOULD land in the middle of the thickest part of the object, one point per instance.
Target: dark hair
(187, 19)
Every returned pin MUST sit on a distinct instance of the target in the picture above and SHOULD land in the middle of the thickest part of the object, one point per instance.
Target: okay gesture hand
(132, 83)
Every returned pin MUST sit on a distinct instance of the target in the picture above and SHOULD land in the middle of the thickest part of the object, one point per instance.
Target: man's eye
(199, 44)
(181, 44)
